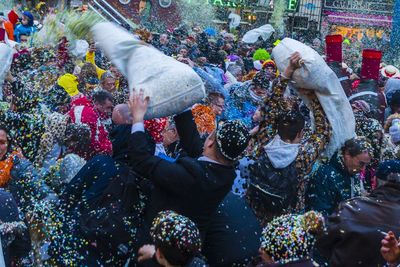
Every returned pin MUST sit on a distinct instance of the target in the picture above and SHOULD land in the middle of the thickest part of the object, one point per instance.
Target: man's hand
(138, 105)
(146, 252)
(295, 63)
(9, 78)
(390, 249)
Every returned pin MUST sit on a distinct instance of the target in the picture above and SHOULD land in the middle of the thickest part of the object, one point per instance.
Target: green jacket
(329, 185)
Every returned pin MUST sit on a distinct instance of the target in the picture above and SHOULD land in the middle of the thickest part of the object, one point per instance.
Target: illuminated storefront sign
(225, 3)
(362, 6)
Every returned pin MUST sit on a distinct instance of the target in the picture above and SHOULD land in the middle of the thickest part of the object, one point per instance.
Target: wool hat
(70, 84)
(389, 171)
(176, 231)
(29, 16)
(290, 237)
(232, 139)
(269, 63)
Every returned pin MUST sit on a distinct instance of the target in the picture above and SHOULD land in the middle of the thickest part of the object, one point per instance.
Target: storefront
(356, 18)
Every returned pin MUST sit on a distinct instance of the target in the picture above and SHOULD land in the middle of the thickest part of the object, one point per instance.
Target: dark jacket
(189, 186)
(257, 262)
(368, 91)
(328, 186)
(233, 235)
(355, 232)
(15, 245)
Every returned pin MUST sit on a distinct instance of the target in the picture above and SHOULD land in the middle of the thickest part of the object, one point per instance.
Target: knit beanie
(170, 229)
(232, 139)
(290, 237)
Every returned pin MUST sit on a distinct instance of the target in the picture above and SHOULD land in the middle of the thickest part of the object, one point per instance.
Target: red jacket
(82, 111)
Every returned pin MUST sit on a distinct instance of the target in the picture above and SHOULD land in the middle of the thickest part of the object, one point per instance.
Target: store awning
(345, 18)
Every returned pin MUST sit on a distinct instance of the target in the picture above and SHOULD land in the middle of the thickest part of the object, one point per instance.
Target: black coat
(189, 186)
(233, 235)
(355, 231)
(21, 245)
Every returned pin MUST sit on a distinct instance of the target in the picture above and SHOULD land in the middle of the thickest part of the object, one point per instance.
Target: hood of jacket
(280, 153)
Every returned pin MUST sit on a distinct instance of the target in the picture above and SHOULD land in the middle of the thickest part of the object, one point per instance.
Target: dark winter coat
(14, 245)
(257, 262)
(189, 186)
(233, 235)
(355, 232)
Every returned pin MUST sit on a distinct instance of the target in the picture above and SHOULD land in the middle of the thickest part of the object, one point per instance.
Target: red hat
(334, 48)
(370, 64)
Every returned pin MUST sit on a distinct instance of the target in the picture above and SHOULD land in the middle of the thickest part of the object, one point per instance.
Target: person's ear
(175, 133)
(160, 257)
(300, 134)
(211, 140)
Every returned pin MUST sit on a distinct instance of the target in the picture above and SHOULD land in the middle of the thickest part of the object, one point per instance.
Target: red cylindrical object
(370, 64)
(334, 48)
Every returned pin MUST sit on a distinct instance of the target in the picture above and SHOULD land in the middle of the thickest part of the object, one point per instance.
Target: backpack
(271, 191)
(111, 221)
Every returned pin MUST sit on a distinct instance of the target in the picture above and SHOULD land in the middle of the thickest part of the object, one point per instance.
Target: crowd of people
(241, 178)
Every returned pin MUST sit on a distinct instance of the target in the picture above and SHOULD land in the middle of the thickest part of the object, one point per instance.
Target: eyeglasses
(221, 106)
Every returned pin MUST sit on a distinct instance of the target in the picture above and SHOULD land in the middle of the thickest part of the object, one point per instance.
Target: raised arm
(311, 150)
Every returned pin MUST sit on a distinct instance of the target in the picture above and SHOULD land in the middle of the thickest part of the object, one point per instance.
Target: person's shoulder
(5, 196)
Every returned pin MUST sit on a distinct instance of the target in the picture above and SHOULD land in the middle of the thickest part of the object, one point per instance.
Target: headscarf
(155, 127)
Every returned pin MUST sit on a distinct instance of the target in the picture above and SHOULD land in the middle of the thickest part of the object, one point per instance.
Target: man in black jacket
(193, 187)
(355, 231)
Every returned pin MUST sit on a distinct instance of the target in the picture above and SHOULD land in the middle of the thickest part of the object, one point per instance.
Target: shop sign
(225, 3)
(364, 6)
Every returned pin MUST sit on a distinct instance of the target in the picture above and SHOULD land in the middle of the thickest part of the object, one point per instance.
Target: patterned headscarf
(155, 127)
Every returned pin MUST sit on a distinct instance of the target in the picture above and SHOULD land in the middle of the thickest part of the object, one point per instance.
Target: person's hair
(214, 96)
(80, 134)
(290, 125)
(101, 96)
(174, 255)
(356, 146)
(87, 70)
(106, 75)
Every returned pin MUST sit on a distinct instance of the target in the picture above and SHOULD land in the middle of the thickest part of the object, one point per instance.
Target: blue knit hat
(29, 16)
(389, 171)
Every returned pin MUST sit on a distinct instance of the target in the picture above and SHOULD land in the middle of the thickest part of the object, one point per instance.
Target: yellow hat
(70, 84)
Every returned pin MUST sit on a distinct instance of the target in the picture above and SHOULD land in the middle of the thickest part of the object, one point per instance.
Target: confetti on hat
(291, 237)
(178, 231)
(232, 139)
